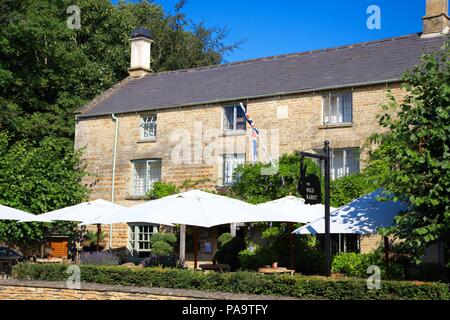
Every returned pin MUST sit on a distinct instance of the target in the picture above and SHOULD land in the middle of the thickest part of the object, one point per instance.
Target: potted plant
(274, 260)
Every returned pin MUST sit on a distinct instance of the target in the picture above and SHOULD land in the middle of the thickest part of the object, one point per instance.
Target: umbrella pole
(99, 230)
(182, 244)
(195, 247)
(292, 244)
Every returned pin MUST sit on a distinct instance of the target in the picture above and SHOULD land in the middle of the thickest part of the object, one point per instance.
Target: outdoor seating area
(197, 209)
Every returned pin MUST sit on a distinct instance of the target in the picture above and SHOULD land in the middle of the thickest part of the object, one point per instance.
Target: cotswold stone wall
(32, 293)
(44, 290)
(287, 124)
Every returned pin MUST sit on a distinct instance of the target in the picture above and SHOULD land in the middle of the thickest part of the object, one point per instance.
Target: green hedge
(239, 282)
(355, 264)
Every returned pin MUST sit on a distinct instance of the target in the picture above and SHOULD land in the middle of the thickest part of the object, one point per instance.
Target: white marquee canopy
(290, 209)
(91, 210)
(7, 213)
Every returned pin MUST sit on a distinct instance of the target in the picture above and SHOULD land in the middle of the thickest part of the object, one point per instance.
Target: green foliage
(275, 247)
(92, 236)
(224, 238)
(254, 187)
(162, 243)
(170, 238)
(412, 158)
(349, 188)
(356, 264)
(38, 178)
(162, 189)
(228, 253)
(161, 248)
(48, 71)
(272, 233)
(239, 282)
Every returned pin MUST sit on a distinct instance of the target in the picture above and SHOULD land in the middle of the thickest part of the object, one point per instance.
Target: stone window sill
(336, 125)
(150, 140)
(234, 133)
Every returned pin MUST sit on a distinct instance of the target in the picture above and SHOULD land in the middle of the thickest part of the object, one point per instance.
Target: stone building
(188, 124)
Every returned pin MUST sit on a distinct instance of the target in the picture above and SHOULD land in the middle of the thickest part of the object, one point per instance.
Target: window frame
(235, 163)
(235, 107)
(326, 102)
(147, 183)
(133, 236)
(154, 122)
(345, 151)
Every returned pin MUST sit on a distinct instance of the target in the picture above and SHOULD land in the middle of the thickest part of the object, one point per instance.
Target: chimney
(436, 22)
(141, 42)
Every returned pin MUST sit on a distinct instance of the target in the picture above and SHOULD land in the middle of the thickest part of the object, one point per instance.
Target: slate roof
(382, 61)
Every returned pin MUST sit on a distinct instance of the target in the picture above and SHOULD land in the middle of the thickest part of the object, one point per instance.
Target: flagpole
(259, 138)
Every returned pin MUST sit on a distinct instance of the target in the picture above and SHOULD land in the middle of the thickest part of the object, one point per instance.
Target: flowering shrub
(160, 260)
(101, 258)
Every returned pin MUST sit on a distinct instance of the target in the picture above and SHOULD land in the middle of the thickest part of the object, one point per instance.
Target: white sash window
(337, 108)
(145, 173)
(148, 127)
(139, 237)
(230, 163)
(344, 162)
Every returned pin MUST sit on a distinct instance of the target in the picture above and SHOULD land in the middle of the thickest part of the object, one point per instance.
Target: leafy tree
(412, 155)
(48, 71)
(37, 179)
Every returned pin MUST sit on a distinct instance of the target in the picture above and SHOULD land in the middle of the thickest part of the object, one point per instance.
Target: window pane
(153, 173)
(326, 109)
(228, 119)
(139, 177)
(333, 109)
(230, 163)
(337, 164)
(148, 127)
(347, 107)
(351, 161)
(340, 109)
(240, 118)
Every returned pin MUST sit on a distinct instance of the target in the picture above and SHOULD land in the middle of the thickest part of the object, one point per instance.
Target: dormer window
(148, 127)
(337, 108)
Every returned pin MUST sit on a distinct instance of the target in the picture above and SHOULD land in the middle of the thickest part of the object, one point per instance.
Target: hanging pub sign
(309, 186)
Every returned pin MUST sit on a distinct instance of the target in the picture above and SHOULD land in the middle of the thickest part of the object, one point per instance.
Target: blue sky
(286, 26)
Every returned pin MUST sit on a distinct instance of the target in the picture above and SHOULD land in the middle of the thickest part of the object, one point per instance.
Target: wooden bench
(276, 270)
(215, 267)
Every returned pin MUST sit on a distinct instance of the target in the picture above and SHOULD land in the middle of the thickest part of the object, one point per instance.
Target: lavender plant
(101, 258)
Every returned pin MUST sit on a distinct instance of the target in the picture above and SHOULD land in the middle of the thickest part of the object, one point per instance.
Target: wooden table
(215, 267)
(276, 270)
